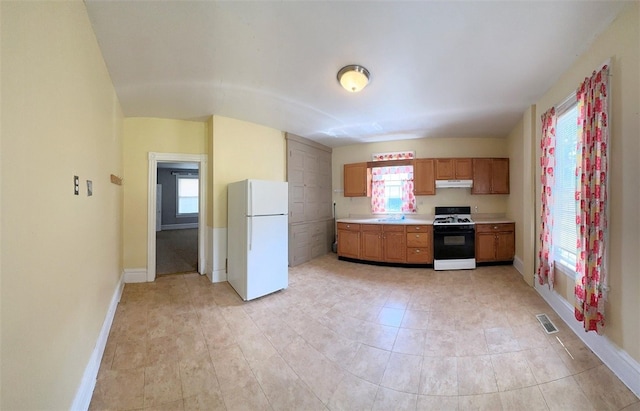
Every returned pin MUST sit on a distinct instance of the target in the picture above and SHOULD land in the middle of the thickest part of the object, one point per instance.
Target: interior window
(564, 208)
(187, 196)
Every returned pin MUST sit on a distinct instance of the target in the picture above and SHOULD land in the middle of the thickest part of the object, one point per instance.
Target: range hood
(454, 183)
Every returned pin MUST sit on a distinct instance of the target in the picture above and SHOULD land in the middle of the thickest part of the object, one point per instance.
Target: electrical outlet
(76, 185)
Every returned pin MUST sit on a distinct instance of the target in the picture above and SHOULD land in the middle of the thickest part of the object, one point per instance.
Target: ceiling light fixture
(353, 77)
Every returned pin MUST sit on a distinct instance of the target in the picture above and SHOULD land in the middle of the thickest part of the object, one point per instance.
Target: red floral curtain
(408, 198)
(378, 204)
(591, 199)
(403, 174)
(547, 165)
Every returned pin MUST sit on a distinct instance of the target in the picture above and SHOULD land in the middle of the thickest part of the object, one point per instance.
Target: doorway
(160, 161)
(177, 218)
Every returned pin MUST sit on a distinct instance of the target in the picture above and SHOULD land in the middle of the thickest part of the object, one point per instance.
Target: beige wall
(141, 136)
(424, 148)
(520, 204)
(621, 43)
(243, 150)
(61, 254)
(238, 150)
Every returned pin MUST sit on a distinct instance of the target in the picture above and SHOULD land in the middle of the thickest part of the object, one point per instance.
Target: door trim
(154, 159)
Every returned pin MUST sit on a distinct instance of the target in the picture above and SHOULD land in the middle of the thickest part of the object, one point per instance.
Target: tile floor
(347, 336)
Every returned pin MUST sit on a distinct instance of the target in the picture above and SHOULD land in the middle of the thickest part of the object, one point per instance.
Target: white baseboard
(88, 383)
(518, 264)
(218, 268)
(618, 361)
(178, 226)
(217, 276)
(135, 275)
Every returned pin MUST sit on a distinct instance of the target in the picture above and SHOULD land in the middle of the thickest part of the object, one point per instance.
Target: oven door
(453, 242)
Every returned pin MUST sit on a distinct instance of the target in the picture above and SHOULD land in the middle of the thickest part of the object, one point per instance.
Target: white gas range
(453, 239)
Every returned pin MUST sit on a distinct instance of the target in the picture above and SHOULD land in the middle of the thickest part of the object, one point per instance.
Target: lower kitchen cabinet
(394, 244)
(382, 242)
(386, 243)
(419, 244)
(371, 242)
(349, 240)
(495, 242)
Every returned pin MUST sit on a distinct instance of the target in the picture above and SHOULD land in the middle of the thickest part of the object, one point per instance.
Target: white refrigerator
(257, 237)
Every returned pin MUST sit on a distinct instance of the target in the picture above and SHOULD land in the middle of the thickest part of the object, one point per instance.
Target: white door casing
(158, 207)
(154, 159)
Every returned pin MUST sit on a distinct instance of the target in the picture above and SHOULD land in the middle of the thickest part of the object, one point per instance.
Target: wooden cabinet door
(394, 243)
(463, 169)
(424, 180)
(371, 242)
(445, 169)
(485, 247)
(505, 246)
(356, 180)
(299, 250)
(349, 240)
(490, 176)
(454, 169)
(500, 176)
(482, 176)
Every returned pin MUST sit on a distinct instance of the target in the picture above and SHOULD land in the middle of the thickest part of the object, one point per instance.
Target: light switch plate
(89, 188)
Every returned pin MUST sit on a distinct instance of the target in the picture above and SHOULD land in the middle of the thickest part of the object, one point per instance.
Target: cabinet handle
(417, 235)
(417, 251)
(417, 228)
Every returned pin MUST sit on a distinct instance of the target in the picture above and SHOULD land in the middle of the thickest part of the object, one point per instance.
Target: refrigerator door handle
(250, 205)
(250, 232)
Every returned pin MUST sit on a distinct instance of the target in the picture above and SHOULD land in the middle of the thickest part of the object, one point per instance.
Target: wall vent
(549, 327)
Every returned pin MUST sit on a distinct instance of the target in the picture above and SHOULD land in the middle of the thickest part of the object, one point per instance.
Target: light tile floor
(347, 336)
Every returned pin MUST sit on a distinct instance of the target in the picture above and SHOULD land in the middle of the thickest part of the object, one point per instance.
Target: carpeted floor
(176, 251)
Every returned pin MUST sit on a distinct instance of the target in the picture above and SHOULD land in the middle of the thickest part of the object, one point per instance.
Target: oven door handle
(458, 232)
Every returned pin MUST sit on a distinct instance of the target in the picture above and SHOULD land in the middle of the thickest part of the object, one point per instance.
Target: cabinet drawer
(418, 228)
(417, 239)
(392, 228)
(488, 228)
(371, 227)
(418, 256)
(349, 226)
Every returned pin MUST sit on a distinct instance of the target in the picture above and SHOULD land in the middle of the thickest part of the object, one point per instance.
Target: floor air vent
(549, 327)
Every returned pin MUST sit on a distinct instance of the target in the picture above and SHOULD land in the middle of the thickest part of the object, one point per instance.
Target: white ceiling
(438, 68)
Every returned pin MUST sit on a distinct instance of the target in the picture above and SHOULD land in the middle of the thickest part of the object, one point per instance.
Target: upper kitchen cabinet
(453, 169)
(424, 181)
(490, 176)
(357, 180)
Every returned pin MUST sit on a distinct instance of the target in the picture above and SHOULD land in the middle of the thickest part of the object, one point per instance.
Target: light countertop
(493, 221)
(386, 220)
(420, 219)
